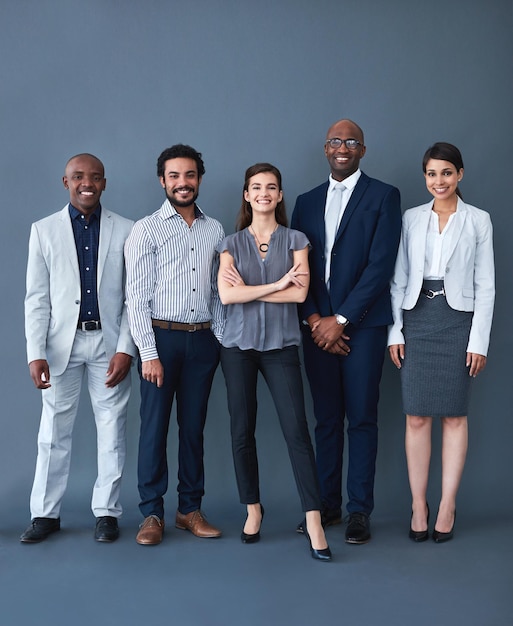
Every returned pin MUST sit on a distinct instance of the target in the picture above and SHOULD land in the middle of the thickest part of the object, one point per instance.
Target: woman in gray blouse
(263, 274)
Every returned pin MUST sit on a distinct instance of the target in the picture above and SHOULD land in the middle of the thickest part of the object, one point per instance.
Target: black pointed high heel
(439, 537)
(255, 537)
(319, 555)
(420, 535)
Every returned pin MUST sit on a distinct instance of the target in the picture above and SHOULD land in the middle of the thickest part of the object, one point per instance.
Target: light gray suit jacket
(52, 302)
(469, 275)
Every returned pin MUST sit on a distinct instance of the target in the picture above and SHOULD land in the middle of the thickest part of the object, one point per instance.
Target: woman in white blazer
(442, 299)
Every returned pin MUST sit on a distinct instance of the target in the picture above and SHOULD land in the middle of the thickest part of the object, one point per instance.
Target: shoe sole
(357, 542)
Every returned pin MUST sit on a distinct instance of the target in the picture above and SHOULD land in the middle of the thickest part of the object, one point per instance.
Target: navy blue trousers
(347, 387)
(282, 373)
(189, 360)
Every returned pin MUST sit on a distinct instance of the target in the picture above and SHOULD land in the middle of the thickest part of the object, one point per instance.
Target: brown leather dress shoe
(150, 531)
(197, 524)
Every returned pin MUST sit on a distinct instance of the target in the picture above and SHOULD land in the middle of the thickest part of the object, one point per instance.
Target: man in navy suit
(353, 223)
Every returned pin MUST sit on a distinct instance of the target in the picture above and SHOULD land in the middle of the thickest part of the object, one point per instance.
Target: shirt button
(87, 269)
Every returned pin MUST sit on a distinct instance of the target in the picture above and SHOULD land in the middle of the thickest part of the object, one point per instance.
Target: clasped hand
(328, 335)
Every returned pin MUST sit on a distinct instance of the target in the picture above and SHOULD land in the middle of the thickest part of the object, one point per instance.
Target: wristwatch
(341, 320)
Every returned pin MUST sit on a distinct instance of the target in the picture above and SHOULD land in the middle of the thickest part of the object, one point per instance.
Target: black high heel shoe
(420, 535)
(439, 537)
(255, 537)
(318, 555)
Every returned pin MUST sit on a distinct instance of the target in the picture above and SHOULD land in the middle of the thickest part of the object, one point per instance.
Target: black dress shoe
(107, 529)
(439, 537)
(358, 528)
(40, 528)
(420, 535)
(329, 517)
(255, 537)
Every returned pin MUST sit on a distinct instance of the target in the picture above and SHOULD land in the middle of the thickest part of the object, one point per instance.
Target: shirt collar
(349, 182)
(167, 210)
(75, 213)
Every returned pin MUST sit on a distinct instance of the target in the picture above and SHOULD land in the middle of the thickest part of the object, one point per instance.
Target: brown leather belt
(190, 328)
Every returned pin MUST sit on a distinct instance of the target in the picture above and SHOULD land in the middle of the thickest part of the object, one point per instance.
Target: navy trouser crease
(189, 361)
(282, 373)
(347, 387)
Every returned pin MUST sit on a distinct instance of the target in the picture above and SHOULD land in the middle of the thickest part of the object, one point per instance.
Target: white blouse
(437, 244)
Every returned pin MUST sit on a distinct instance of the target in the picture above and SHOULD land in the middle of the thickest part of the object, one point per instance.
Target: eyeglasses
(351, 144)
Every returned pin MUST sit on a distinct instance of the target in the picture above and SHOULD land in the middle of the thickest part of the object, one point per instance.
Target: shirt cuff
(148, 354)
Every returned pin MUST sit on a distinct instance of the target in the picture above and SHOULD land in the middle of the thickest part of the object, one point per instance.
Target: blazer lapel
(355, 198)
(105, 237)
(457, 227)
(66, 239)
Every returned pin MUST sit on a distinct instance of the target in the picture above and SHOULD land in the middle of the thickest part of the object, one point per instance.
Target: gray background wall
(243, 82)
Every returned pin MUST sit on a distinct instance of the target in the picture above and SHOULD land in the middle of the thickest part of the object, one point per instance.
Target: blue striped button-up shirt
(172, 274)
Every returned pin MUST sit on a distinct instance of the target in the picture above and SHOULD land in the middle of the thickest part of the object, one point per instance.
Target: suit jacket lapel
(105, 237)
(66, 239)
(356, 196)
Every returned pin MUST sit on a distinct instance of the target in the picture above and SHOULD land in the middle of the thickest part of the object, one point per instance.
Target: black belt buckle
(90, 325)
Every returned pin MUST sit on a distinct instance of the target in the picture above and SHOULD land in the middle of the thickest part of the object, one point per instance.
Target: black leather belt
(190, 328)
(89, 325)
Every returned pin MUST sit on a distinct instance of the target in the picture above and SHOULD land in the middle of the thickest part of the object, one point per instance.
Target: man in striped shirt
(177, 320)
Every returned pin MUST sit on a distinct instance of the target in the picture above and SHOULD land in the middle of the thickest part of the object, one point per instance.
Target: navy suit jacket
(363, 254)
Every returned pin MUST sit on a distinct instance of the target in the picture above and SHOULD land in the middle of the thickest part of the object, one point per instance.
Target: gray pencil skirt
(434, 377)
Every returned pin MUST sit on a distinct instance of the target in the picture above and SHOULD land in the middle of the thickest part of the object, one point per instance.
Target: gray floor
(70, 579)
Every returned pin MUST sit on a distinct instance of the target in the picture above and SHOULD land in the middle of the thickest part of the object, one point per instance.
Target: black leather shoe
(255, 537)
(439, 537)
(358, 528)
(329, 517)
(420, 535)
(107, 529)
(40, 528)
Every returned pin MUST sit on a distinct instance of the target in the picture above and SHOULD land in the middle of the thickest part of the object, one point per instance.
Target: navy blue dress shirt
(87, 240)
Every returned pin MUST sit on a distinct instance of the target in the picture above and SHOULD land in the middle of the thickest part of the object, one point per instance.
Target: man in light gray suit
(76, 323)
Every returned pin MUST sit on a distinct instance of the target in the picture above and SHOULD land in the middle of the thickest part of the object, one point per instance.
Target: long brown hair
(245, 215)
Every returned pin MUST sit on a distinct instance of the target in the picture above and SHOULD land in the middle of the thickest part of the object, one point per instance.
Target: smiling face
(344, 162)
(85, 179)
(263, 193)
(442, 179)
(181, 182)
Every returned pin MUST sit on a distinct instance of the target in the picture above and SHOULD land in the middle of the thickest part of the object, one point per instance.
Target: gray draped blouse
(262, 325)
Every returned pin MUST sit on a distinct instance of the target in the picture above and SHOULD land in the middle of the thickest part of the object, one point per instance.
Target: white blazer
(469, 275)
(52, 302)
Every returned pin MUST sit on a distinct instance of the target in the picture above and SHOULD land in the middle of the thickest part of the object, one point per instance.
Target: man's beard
(176, 202)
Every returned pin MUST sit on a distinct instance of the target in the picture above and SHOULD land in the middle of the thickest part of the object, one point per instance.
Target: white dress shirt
(349, 184)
